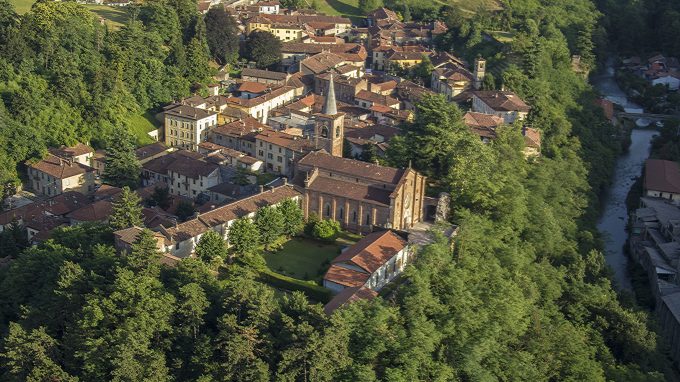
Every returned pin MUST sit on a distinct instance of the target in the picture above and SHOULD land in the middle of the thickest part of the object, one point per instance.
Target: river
(612, 223)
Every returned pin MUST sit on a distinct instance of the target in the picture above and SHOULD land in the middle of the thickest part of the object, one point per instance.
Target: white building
(371, 263)
(504, 104)
(183, 238)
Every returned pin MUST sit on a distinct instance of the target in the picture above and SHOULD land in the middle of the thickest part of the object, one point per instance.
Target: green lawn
(348, 8)
(22, 6)
(304, 259)
(115, 17)
(141, 125)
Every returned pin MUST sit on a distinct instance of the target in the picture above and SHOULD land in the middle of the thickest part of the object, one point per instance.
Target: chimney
(261, 189)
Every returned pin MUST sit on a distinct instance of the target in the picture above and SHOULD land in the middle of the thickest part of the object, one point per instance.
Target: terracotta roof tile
(372, 251)
(502, 100)
(60, 168)
(352, 167)
(349, 295)
(662, 175)
(345, 276)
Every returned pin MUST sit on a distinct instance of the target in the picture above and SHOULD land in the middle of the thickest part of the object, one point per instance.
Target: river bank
(614, 217)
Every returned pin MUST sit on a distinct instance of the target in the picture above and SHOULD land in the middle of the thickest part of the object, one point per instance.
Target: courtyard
(306, 259)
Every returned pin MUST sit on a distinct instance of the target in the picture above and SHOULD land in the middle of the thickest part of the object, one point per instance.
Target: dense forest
(523, 295)
(642, 26)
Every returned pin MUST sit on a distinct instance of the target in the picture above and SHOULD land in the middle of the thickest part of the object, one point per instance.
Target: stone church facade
(360, 195)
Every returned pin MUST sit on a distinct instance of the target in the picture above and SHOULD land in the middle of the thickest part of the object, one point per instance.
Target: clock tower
(329, 124)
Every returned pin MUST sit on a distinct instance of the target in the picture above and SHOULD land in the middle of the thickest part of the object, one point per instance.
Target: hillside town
(314, 131)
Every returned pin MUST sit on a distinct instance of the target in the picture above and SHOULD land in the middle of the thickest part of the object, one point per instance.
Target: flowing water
(614, 217)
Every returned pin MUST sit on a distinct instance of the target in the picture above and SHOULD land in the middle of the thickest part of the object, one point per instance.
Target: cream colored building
(187, 126)
(54, 175)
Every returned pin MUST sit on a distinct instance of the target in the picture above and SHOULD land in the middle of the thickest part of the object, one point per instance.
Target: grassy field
(141, 125)
(350, 8)
(114, 17)
(22, 6)
(306, 259)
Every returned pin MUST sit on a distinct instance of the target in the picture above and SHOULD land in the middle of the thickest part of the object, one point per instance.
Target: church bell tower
(329, 125)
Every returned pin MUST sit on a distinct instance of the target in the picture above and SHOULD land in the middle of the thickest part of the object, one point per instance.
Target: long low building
(183, 238)
(366, 267)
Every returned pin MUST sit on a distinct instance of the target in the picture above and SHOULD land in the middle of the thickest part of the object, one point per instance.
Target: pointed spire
(330, 107)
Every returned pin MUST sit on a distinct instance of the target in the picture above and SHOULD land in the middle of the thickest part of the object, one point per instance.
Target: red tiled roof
(347, 296)
(481, 120)
(266, 74)
(532, 138)
(73, 151)
(323, 160)
(60, 168)
(376, 98)
(502, 100)
(252, 87)
(292, 142)
(662, 175)
(372, 251)
(345, 276)
(354, 191)
(97, 211)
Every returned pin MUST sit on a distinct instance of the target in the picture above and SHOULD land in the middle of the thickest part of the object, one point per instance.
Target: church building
(358, 194)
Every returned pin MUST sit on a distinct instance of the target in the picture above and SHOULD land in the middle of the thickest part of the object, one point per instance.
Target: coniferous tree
(31, 356)
(144, 258)
(122, 167)
(127, 210)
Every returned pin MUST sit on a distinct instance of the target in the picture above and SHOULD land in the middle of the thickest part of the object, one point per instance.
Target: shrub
(325, 230)
(313, 291)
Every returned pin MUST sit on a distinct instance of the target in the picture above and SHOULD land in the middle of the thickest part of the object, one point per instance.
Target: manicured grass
(114, 17)
(302, 259)
(22, 6)
(307, 259)
(141, 125)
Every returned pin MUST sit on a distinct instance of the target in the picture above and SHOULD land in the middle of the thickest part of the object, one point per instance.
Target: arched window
(342, 212)
(368, 219)
(328, 210)
(337, 131)
(354, 216)
(324, 132)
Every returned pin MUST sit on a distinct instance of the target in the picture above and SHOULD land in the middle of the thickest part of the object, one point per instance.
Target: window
(354, 216)
(177, 246)
(279, 150)
(261, 153)
(328, 210)
(368, 219)
(270, 155)
(270, 146)
(342, 213)
(279, 159)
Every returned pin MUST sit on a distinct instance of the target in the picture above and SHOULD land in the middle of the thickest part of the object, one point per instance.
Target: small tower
(328, 129)
(479, 72)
